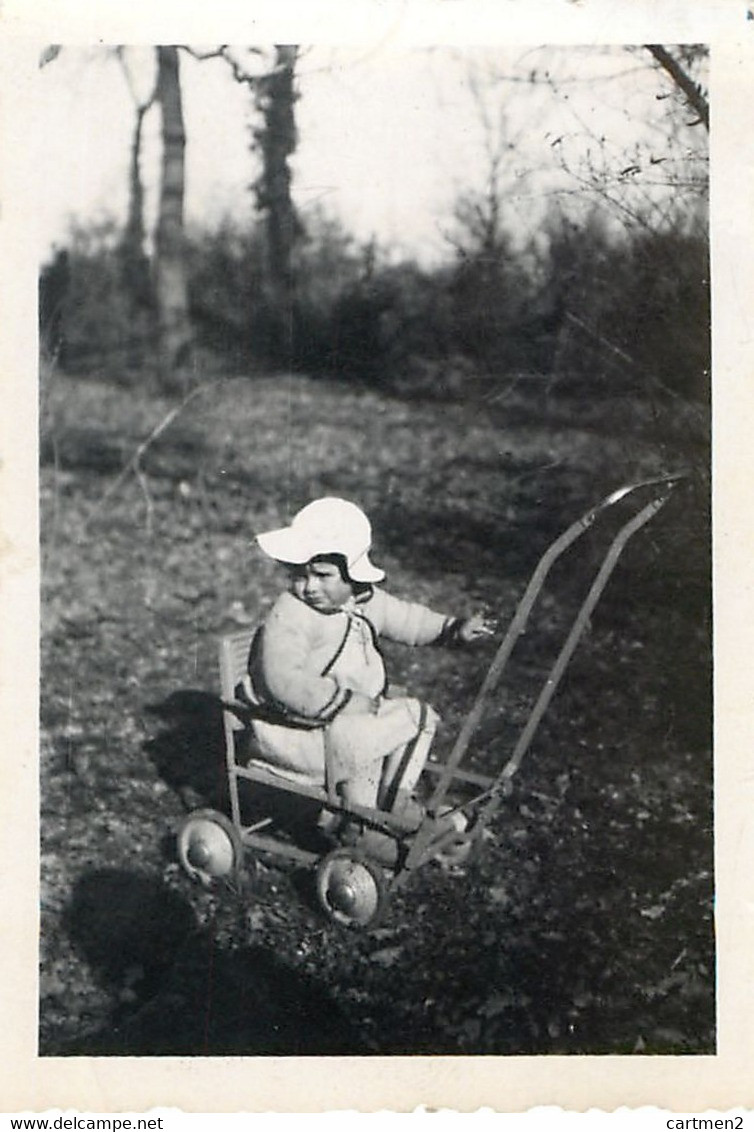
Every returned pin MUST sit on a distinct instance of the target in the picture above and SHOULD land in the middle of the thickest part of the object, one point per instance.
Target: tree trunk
(170, 262)
(134, 260)
(276, 98)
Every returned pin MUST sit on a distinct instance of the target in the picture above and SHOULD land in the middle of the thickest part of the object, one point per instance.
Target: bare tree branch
(691, 91)
(222, 52)
(134, 464)
(632, 363)
(148, 501)
(142, 105)
(202, 56)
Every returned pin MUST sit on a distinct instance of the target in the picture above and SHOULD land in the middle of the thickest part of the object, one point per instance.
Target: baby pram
(354, 881)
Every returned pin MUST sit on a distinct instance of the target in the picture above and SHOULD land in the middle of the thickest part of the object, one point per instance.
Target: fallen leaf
(256, 919)
(386, 956)
(497, 1004)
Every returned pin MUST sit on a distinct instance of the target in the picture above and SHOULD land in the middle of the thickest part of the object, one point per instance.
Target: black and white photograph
(375, 515)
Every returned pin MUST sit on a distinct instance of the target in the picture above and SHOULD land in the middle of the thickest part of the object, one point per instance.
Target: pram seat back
(234, 659)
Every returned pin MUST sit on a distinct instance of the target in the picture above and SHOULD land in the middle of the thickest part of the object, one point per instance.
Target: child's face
(320, 585)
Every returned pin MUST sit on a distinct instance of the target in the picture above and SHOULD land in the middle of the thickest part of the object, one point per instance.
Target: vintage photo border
(723, 1081)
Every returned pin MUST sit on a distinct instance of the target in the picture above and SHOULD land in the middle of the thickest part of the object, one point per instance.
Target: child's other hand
(475, 627)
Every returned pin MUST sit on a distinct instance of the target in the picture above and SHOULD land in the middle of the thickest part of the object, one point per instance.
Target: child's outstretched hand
(476, 627)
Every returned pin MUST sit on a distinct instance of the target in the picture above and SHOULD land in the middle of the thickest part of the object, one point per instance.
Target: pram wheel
(209, 846)
(350, 889)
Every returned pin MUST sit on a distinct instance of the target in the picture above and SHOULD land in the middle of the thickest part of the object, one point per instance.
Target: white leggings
(376, 760)
(371, 760)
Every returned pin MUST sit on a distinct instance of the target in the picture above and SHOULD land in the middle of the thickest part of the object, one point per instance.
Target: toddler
(322, 709)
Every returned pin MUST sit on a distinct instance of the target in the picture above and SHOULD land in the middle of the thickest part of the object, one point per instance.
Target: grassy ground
(585, 924)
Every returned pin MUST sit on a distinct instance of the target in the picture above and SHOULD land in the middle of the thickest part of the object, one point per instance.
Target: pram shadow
(189, 756)
(176, 991)
(189, 753)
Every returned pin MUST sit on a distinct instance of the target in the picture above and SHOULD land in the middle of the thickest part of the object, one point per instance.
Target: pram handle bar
(520, 618)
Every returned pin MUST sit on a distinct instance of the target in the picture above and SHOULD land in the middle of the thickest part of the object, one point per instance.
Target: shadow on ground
(189, 756)
(189, 753)
(177, 993)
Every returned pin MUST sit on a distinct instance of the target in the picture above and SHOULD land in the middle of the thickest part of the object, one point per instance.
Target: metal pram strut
(488, 799)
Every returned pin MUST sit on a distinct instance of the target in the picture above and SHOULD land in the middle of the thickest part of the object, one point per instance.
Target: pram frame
(411, 845)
